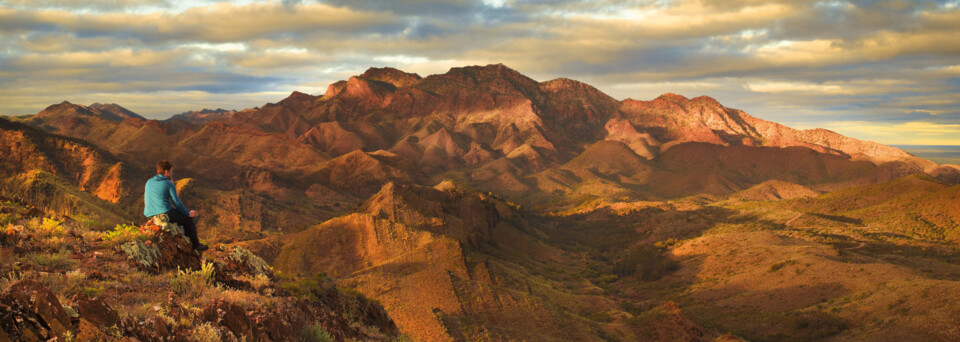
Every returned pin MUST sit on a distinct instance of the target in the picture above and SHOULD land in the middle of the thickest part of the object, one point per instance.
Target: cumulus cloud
(97, 5)
(905, 133)
(796, 62)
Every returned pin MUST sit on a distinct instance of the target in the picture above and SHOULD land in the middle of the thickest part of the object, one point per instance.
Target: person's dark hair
(163, 166)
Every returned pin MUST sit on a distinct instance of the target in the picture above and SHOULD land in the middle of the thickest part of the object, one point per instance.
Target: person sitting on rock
(158, 195)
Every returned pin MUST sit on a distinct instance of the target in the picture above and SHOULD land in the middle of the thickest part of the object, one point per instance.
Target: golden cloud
(112, 58)
(220, 22)
(907, 133)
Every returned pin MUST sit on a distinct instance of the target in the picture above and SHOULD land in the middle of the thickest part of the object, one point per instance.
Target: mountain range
(481, 204)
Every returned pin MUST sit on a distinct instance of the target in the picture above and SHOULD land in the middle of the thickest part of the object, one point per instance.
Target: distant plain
(940, 154)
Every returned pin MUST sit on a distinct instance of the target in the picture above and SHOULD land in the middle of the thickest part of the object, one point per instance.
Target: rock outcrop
(31, 312)
(160, 289)
(166, 249)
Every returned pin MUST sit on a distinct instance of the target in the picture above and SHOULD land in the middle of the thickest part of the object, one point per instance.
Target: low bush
(315, 333)
(54, 262)
(46, 227)
(205, 333)
(192, 283)
(124, 233)
(307, 288)
(10, 278)
(66, 284)
(6, 219)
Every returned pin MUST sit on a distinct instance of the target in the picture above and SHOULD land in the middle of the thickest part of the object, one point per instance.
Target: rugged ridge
(203, 116)
(480, 204)
(472, 117)
(63, 174)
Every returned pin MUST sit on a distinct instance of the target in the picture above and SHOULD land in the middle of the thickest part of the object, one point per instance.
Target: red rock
(95, 310)
(87, 331)
(152, 329)
(32, 312)
(233, 317)
(96, 275)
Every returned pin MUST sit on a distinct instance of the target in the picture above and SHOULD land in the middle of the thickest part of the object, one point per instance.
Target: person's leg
(188, 224)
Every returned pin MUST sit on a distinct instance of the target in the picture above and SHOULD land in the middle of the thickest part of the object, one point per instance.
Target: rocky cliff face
(64, 174)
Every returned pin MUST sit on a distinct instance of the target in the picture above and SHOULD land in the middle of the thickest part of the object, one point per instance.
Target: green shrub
(124, 233)
(605, 279)
(6, 219)
(668, 243)
(46, 227)
(92, 290)
(401, 338)
(315, 333)
(191, 283)
(351, 291)
(59, 261)
(66, 284)
(84, 222)
(308, 288)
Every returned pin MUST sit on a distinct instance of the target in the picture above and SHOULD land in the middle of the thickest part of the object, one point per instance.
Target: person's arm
(176, 200)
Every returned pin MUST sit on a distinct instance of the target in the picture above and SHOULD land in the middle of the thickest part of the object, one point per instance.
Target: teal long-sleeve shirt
(157, 196)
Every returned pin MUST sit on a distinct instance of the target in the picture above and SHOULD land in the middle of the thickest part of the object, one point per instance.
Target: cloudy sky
(887, 71)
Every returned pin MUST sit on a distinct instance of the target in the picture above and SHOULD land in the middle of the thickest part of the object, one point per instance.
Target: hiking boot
(201, 248)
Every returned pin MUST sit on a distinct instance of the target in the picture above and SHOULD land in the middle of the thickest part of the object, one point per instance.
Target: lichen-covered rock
(31, 312)
(253, 264)
(166, 249)
(235, 267)
(144, 256)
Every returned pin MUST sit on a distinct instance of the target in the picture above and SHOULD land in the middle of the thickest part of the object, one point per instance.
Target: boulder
(166, 249)
(151, 329)
(232, 317)
(232, 263)
(95, 311)
(87, 331)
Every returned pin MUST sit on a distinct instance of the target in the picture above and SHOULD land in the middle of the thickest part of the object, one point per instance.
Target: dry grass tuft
(192, 283)
(205, 333)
